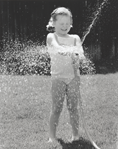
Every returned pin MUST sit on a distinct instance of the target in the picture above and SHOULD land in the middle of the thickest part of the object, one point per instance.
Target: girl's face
(62, 24)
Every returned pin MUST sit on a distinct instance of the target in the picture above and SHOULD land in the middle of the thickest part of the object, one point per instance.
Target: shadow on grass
(79, 144)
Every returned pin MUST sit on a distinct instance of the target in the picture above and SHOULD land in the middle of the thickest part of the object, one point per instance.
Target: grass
(25, 108)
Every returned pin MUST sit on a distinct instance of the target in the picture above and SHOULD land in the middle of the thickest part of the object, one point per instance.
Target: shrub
(31, 58)
(24, 58)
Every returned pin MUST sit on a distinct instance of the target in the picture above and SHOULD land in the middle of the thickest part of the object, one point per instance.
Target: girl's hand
(82, 59)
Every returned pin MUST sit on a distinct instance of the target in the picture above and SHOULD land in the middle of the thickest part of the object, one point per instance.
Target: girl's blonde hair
(58, 11)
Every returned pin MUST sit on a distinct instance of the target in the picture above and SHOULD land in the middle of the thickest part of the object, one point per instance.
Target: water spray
(86, 64)
(97, 13)
(75, 73)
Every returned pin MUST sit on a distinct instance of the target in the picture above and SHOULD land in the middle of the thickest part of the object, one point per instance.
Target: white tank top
(61, 65)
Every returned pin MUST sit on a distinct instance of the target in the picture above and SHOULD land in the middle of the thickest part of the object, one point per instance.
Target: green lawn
(25, 108)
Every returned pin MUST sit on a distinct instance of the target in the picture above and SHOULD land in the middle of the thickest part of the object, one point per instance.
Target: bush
(24, 58)
(87, 67)
(31, 58)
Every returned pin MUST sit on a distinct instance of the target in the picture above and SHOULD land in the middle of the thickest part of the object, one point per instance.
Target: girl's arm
(50, 42)
(79, 48)
(78, 54)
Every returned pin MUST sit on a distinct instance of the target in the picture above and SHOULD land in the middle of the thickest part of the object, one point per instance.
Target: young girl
(65, 51)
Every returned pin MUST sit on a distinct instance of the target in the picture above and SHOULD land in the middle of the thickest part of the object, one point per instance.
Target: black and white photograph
(58, 74)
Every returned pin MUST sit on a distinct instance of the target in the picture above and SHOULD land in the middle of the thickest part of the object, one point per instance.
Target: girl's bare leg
(72, 104)
(58, 95)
